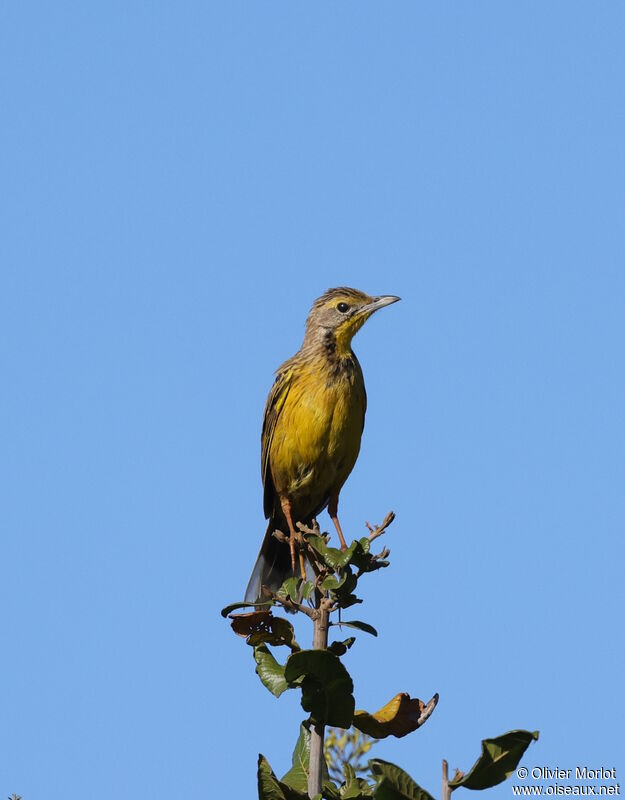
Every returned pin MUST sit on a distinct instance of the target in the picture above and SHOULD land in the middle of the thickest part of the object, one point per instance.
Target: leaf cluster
(499, 758)
(327, 689)
(326, 686)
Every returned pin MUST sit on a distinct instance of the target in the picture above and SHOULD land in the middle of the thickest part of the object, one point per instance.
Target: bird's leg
(286, 508)
(333, 507)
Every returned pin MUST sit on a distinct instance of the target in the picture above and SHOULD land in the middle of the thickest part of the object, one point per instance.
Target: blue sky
(180, 181)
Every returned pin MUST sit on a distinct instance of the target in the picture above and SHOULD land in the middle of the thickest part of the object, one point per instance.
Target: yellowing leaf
(399, 717)
(262, 627)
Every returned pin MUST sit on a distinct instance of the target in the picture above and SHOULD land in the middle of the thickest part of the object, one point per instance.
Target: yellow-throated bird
(311, 433)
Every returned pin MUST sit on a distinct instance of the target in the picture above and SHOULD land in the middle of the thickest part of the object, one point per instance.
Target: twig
(315, 530)
(291, 605)
(317, 732)
(446, 793)
(380, 529)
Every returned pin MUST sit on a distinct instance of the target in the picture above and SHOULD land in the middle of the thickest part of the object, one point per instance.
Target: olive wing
(275, 403)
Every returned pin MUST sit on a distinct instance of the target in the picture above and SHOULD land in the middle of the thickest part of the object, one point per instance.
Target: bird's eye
(343, 307)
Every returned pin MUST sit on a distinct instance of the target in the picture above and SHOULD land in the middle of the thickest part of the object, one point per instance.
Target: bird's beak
(380, 302)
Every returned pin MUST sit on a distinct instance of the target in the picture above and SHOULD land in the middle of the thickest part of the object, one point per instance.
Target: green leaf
(330, 791)
(354, 788)
(334, 558)
(339, 559)
(332, 583)
(307, 589)
(296, 589)
(358, 790)
(341, 588)
(356, 623)
(328, 554)
(297, 776)
(225, 611)
(394, 784)
(270, 671)
(364, 560)
(340, 648)
(345, 585)
(326, 686)
(498, 760)
(270, 788)
(361, 556)
(289, 588)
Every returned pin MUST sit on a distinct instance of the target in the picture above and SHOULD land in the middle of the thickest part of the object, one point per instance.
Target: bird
(312, 427)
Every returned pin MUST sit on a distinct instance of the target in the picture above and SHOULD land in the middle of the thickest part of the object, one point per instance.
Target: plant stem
(317, 732)
(446, 794)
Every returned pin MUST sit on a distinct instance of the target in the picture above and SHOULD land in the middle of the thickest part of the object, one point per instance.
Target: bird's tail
(272, 567)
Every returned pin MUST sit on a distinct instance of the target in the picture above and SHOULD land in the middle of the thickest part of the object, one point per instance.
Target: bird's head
(340, 313)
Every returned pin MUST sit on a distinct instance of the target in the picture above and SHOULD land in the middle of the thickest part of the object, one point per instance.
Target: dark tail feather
(272, 567)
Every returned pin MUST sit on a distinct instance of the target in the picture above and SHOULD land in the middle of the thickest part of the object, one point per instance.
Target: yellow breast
(317, 435)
